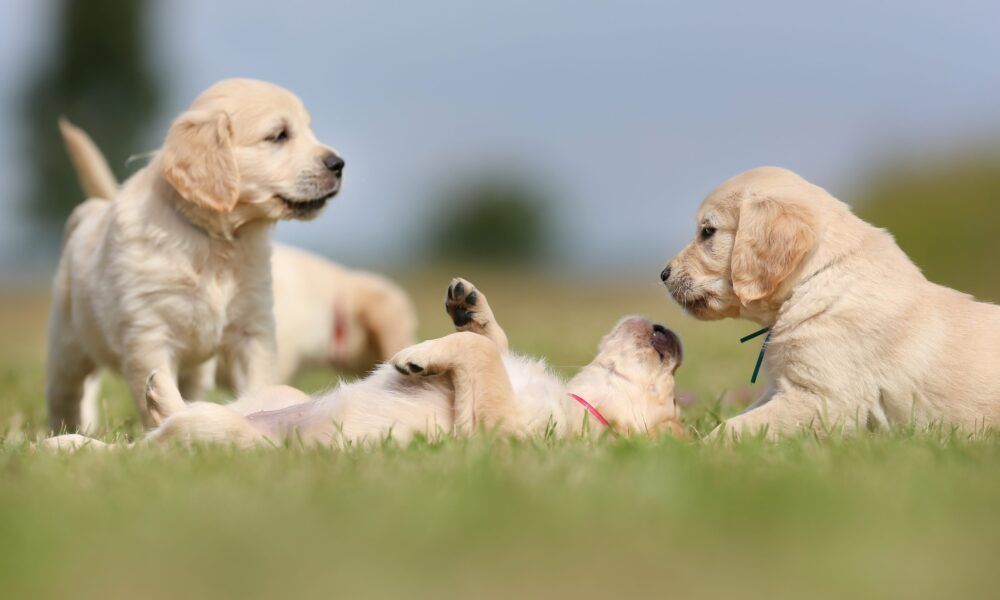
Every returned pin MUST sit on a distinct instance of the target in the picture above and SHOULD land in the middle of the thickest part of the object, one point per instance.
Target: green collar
(763, 347)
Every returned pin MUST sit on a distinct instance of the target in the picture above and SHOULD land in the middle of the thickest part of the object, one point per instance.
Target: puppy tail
(162, 398)
(92, 170)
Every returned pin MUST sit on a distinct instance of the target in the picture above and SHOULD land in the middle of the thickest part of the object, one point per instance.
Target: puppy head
(754, 232)
(632, 377)
(245, 150)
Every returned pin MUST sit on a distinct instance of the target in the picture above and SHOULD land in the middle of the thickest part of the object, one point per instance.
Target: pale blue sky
(629, 111)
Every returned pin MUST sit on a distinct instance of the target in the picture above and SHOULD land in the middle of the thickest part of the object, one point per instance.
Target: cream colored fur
(325, 313)
(175, 270)
(461, 383)
(328, 314)
(860, 338)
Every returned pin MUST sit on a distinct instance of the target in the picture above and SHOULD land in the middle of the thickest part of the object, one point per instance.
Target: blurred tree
(496, 218)
(99, 76)
(944, 213)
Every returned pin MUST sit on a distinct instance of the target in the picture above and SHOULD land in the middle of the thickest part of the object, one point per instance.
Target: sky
(628, 112)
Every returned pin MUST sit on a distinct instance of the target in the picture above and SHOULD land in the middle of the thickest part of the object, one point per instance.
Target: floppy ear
(772, 239)
(198, 160)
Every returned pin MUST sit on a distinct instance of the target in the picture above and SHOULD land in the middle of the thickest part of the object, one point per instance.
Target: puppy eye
(707, 232)
(279, 136)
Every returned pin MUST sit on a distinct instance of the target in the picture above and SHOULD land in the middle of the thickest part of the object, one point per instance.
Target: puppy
(324, 313)
(175, 269)
(859, 338)
(460, 383)
(328, 314)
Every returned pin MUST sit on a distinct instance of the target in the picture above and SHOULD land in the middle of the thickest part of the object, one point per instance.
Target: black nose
(334, 163)
(665, 274)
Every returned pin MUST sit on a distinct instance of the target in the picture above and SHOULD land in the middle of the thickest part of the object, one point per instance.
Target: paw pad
(462, 296)
(411, 368)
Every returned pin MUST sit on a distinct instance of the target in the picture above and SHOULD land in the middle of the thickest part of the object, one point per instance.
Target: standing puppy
(859, 338)
(325, 313)
(175, 270)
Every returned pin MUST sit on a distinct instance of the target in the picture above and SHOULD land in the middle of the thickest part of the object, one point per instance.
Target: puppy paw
(162, 397)
(418, 361)
(466, 305)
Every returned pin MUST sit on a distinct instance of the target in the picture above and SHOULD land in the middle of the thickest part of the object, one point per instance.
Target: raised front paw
(463, 303)
(417, 361)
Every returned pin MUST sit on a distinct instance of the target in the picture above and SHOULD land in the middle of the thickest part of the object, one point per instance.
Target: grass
(902, 514)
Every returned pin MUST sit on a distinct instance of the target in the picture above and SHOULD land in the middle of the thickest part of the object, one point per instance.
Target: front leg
(484, 397)
(250, 358)
(470, 311)
(790, 410)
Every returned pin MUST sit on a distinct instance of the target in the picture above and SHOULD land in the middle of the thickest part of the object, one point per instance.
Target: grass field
(893, 515)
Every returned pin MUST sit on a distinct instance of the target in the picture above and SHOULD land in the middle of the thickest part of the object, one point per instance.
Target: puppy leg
(67, 369)
(137, 370)
(470, 311)
(89, 409)
(193, 381)
(484, 397)
(788, 412)
(70, 442)
(205, 422)
(249, 355)
(162, 397)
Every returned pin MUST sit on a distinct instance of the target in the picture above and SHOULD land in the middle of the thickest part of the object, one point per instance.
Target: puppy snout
(334, 163)
(667, 343)
(665, 274)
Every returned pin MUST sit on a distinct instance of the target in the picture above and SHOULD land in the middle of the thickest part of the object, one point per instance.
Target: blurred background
(548, 148)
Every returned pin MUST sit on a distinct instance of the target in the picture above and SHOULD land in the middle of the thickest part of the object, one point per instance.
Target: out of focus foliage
(99, 75)
(494, 219)
(945, 213)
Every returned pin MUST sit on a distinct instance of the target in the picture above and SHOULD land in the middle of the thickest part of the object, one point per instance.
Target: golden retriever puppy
(174, 269)
(327, 314)
(459, 384)
(859, 338)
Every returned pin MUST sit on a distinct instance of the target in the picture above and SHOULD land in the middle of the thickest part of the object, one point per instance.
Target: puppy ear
(198, 160)
(772, 239)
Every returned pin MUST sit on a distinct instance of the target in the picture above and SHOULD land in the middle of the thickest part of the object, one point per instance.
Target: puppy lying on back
(460, 383)
(328, 314)
(859, 337)
(175, 270)
(325, 314)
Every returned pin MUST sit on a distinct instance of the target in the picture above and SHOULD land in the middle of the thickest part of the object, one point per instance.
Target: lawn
(902, 514)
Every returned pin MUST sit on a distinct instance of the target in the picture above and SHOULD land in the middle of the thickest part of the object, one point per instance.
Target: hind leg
(198, 422)
(205, 422)
(67, 368)
(70, 442)
(470, 311)
(90, 406)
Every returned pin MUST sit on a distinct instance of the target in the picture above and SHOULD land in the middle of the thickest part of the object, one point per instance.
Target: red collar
(593, 411)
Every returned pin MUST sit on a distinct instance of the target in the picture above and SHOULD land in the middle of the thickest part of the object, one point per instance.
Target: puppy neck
(213, 224)
(606, 388)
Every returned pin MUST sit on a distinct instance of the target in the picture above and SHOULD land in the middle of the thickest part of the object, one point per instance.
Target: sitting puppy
(324, 313)
(859, 338)
(175, 269)
(328, 314)
(460, 383)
